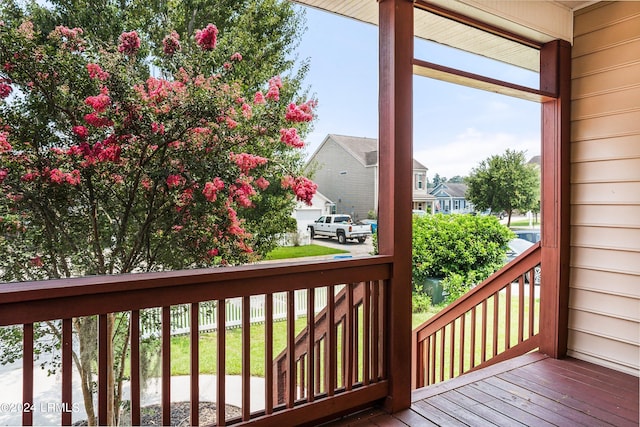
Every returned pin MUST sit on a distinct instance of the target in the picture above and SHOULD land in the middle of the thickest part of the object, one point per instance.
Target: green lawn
(285, 252)
(180, 349)
(524, 223)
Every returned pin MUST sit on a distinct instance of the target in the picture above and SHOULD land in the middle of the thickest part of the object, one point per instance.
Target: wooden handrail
(26, 302)
(24, 305)
(462, 331)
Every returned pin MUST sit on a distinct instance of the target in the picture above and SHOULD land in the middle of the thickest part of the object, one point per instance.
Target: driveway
(355, 249)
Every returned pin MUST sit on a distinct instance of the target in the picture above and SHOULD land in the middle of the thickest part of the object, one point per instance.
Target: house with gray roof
(451, 198)
(346, 171)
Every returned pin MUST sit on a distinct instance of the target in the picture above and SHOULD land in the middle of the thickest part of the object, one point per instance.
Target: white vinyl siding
(604, 306)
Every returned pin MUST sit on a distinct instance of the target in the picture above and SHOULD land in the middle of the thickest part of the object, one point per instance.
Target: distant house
(535, 160)
(422, 200)
(305, 215)
(346, 171)
(450, 198)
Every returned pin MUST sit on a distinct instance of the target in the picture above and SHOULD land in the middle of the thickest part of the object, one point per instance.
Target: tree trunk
(111, 379)
(86, 329)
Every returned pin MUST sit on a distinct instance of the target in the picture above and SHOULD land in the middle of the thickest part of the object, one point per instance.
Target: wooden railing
(207, 316)
(495, 321)
(356, 329)
(25, 305)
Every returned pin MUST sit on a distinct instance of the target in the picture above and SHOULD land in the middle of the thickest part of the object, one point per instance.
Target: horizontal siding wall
(344, 180)
(604, 317)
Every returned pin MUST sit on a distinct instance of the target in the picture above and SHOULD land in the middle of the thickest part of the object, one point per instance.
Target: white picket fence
(181, 316)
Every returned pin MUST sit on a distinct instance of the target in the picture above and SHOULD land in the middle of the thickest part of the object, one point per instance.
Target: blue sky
(454, 127)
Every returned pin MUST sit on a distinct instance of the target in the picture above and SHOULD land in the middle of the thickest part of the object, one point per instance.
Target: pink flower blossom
(302, 187)
(73, 178)
(246, 161)
(291, 138)
(186, 197)
(59, 177)
(29, 176)
(5, 90)
(94, 120)
(129, 43)
(231, 124)
(36, 261)
(299, 113)
(5, 146)
(26, 30)
(95, 71)
(99, 102)
(206, 38)
(81, 131)
(287, 181)
(211, 189)
(258, 98)
(69, 37)
(213, 252)
(242, 193)
(262, 183)
(275, 83)
(109, 154)
(157, 128)
(3, 174)
(227, 65)
(171, 43)
(175, 180)
(236, 57)
(246, 111)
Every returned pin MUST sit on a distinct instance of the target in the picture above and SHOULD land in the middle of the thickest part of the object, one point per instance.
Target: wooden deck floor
(532, 390)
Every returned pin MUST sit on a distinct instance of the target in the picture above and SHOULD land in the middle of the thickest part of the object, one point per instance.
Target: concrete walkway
(47, 394)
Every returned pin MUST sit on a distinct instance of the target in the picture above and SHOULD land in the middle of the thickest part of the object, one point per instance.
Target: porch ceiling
(538, 21)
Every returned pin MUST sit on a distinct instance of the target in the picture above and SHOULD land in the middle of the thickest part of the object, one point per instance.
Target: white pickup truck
(339, 226)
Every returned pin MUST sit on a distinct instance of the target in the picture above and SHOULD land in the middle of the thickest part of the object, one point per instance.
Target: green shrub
(462, 249)
(420, 302)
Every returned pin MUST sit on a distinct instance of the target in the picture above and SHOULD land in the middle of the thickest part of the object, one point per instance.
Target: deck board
(529, 390)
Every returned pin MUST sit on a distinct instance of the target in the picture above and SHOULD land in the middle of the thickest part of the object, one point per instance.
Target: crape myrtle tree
(504, 183)
(267, 31)
(106, 169)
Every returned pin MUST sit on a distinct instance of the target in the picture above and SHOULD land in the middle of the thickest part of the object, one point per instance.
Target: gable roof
(363, 149)
(451, 189)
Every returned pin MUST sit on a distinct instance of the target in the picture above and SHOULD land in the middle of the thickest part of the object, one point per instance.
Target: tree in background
(437, 180)
(105, 169)
(504, 182)
(456, 179)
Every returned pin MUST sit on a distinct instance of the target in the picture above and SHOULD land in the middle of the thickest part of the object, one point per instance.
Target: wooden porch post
(555, 77)
(395, 190)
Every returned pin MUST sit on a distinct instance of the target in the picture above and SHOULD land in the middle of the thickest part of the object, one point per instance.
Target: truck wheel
(361, 239)
(342, 239)
(313, 233)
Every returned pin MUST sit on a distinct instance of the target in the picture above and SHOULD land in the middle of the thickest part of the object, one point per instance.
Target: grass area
(285, 252)
(524, 223)
(208, 349)
(418, 319)
(180, 346)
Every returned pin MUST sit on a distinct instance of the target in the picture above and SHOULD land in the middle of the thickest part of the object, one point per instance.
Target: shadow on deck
(530, 390)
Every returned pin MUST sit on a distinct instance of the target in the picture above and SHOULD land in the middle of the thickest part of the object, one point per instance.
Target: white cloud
(468, 149)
